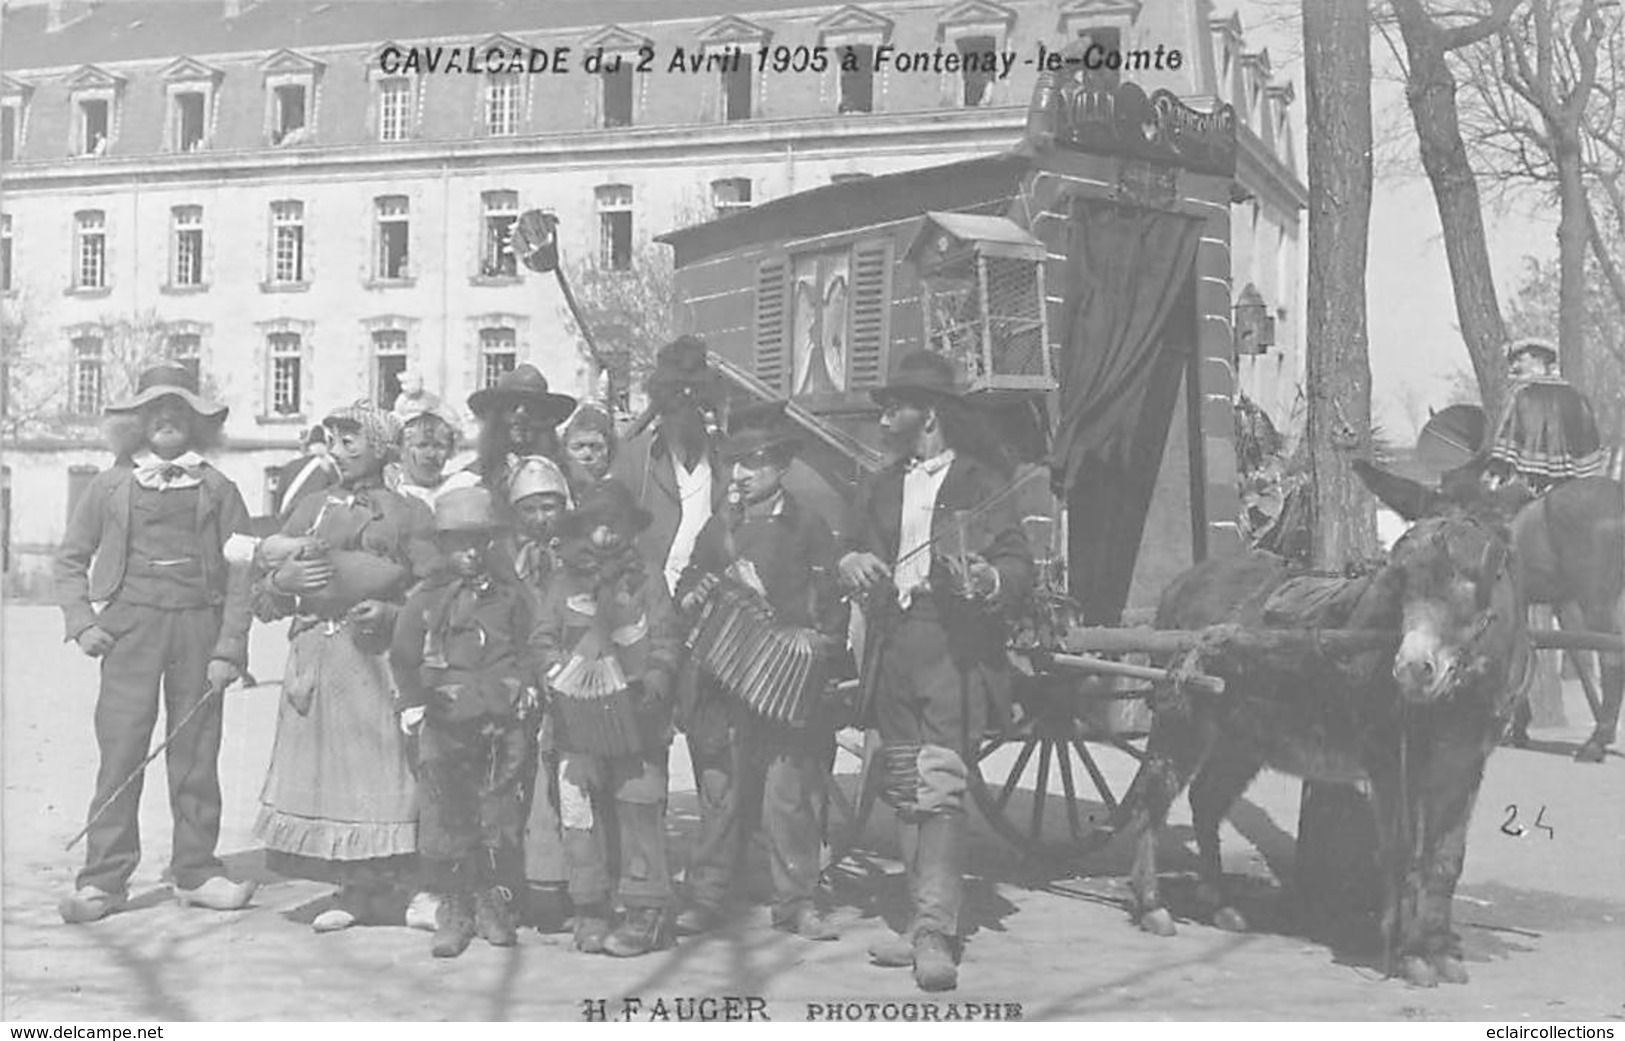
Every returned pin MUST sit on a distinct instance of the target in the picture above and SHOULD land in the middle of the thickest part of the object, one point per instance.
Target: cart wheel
(1089, 760)
(849, 796)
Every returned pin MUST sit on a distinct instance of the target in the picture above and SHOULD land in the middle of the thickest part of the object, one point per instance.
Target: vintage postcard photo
(907, 511)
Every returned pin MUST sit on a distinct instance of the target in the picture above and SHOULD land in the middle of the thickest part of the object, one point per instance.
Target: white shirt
(694, 504)
(921, 483)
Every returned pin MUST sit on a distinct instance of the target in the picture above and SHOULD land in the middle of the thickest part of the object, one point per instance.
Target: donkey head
(1457, 592)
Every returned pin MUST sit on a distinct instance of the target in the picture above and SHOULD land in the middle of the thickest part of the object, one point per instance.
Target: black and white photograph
(906, 511)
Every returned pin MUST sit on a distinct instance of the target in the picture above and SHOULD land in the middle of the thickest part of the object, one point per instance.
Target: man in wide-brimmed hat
(939, 555)
(148, 540)
(519, 417)
(1547, 433)
(769, 541)
(607, 615)
(672, 467)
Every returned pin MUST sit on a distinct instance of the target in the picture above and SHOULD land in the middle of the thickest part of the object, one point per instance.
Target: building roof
(984, 228)
(140, 30)
(839, 207)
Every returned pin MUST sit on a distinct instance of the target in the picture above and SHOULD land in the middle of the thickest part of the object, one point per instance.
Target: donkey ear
(1410, 499)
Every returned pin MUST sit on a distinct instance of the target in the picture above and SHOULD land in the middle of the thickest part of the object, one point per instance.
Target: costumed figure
(773, 738)
(429, 437)
(1547, 433)
(590, 444)
(149, 541)
(519, 417)
(939, 554)
(608, 633)
(466, 668)
(339, 801)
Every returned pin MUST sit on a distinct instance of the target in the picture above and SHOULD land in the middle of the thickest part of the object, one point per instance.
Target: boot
(494, 917)
(592, 927)
(642, 930)
(938, 896)
(454, 925)
(934, 967)
(896, 951)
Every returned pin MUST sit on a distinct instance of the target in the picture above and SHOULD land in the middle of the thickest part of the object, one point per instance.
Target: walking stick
(208, 695)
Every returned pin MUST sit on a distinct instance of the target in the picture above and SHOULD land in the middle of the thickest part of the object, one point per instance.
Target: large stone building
(287, 194)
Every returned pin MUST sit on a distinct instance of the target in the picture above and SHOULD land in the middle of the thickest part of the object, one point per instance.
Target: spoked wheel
(849, 797)
(1054, 787)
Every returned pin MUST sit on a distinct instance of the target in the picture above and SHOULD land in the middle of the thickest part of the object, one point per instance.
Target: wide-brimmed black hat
(923, 377)
(760, 428)
(609, 502)
(682, 372)
(170, 379)
(1532, 345)
(524, 384)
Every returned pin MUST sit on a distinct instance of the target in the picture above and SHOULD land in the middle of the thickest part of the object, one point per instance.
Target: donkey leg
(1455, 772)
(1153, 792)
(1392, 811)
(1609, 618)
(1213, 791)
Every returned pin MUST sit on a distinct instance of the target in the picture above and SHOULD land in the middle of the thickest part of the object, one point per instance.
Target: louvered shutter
(773, 323)
(870, 313)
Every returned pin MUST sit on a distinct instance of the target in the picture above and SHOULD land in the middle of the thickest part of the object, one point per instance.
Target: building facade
(304, 199)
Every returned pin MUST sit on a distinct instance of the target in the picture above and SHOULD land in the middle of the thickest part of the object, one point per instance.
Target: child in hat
(149, 540)
(467, 674)
(608, 628)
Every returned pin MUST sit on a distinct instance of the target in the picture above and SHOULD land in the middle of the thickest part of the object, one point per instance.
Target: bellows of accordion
(595, 707)
(779, 672)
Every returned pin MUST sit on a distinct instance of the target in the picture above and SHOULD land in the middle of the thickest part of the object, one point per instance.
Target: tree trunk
(1337, 78)
(1430, 90)
(1337, 66)
(1573, 232)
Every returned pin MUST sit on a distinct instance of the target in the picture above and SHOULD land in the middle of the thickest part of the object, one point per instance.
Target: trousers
(614, 809)
(169, 649)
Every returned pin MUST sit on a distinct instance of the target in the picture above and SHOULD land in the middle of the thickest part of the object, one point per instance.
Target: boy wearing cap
(148, 540)
(769, 541)
(607, 614)
(466, 669)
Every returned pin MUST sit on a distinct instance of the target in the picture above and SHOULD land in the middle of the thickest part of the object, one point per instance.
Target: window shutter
(773, 323)
(870, 311)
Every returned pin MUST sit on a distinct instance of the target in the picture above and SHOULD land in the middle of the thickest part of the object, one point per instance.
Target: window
(287, 242)
(502, 104)
(389, 361)
(730, 195)
(498, 354)
(288, 113)
(394, 235)
(85, 389)
(95, 125)
(501, 211)
(287, 364)
(5, 253)
(618, 94)
(976, 77)
(394, 109)
(1103, 73)
(90, 250)
(615, 227)
(187, 349)
(191, 119)
(857, 65)
(736, 88)
(9, 128)
(188, 245)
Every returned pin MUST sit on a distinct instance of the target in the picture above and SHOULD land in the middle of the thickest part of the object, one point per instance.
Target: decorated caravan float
(1081, 281)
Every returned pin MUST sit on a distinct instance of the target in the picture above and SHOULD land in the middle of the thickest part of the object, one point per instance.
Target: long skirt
(340, 790)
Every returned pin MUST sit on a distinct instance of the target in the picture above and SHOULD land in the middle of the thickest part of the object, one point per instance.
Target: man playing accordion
(769, 548)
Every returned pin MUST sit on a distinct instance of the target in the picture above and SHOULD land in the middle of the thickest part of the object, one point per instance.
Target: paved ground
(1543, 918)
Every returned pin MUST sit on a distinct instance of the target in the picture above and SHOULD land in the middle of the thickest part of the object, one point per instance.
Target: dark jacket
(465, 653)
(977, 632)
(91, 562)
(645, 465)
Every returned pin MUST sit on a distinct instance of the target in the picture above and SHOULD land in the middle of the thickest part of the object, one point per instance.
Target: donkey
(1416, 720)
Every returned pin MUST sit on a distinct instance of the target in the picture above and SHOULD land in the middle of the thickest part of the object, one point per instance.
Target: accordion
(595, 708)
(779, 672)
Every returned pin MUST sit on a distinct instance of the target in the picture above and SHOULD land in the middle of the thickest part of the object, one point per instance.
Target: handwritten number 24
(1510, 826)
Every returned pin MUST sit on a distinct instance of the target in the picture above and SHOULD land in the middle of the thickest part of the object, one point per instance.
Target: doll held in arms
(152, 539)
(464, 662)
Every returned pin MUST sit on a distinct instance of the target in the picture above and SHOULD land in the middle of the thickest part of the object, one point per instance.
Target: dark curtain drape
(1126, 269)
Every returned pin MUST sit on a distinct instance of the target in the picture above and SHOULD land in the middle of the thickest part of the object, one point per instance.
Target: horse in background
(1417, 720)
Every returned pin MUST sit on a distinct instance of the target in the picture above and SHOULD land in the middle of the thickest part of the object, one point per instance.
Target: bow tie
(183, 472)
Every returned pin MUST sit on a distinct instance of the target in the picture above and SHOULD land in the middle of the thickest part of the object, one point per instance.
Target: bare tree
(1430, 90)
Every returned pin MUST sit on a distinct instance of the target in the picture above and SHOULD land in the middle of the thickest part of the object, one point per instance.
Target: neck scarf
(183, 471)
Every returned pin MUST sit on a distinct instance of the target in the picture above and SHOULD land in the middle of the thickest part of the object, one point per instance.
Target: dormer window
(732, 43)
(13, 116)
(502, 99)
(190, 88)
(978, 31)
(853, 36)
(394, 108)
(95, 96)
(190, 120)
(1105, 26)
(95, 125)
(618, 96)
(290, 98)
(977, 75)
(623, 53)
